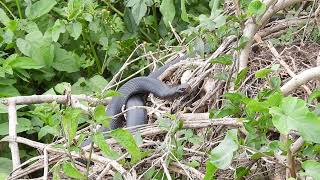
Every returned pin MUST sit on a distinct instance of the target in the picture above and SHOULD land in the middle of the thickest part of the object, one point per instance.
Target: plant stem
(19, 9)
(154, 12)
(6, 7)
(147, 36)
(113, 8)
(94, 53)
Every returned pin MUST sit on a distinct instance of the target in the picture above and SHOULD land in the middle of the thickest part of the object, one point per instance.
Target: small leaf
(293, 114)
(241, 75)
(210, 171)
(126, 140)
(223, 59)
(315, 94)
(5, 167)
(47, 130)
(57, 29)
(168, 11)
(8, 91)
(70, 123)
(72, 171)
(312, 168)
(221, 156)
(101, 117)
(75, 29)
(262, 73)
(24, 46)
(66, 61)
(256, 7)
(106, 150)
(40, 8)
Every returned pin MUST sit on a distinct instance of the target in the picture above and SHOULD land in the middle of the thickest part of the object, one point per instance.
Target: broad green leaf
(5, 167)
(75, 8)
(47, 130)
(138, 9)
(293, 114)
(23, 125)
(256, 7)
(168, 11)
(210, 170)
(221, 156)
(66, 61)
(70, 123)
(241, 172)
(262, 73)
(40, 8)
(126, 140)
(8, 91)
(184, 14)
(312, 168)
(4, 19)
(106, 150)
(57, 29)
(72, 171)
(223, 59)
(24, 63)
(24, 46)
(75, 29)
(100, 116)
(59, 88)
(98, 83)
(43, 54)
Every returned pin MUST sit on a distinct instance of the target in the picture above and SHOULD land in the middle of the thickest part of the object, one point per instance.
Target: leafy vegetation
(47, 46)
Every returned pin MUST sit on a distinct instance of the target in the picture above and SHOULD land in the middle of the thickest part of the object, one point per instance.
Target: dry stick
(12, 113)
(251, 27)
(284, 64)
(60, 99)
(45, 163)
(94, 157)
(300, 79)
(165, 169)
(193, 171)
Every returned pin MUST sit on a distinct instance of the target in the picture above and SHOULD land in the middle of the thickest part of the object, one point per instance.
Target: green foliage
(312, 169)
(221, 156)
(126, 140)
(72, 171)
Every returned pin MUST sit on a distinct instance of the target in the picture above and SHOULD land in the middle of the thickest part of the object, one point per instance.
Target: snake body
(132, 95)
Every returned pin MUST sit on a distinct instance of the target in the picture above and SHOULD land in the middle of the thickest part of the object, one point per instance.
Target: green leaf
(223, 59)
(40, 8)
(293, 114)
(315, 94)
(66, 61)
(256, 7)
(241, 172)
(23, 125)
(99, 140)
(111, 93)
(241, 75)
(5, 167)
(262, 73)
(100, 116)
(8, 91)
(184, 14)
(47, 130)
(57, 29)
(312, 168)
(126, 140)
(24, 63)
(168, 11)
(24, 46)
(138, 9)
(210, 171)
(4, 19)
(221, 156)
(75, 29)
(72, 171)
(70, 123)
(97, 83)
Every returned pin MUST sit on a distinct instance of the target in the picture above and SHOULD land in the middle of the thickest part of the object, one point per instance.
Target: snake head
(183, 88)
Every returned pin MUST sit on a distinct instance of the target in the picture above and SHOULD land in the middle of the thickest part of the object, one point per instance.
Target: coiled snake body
(132, 95)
